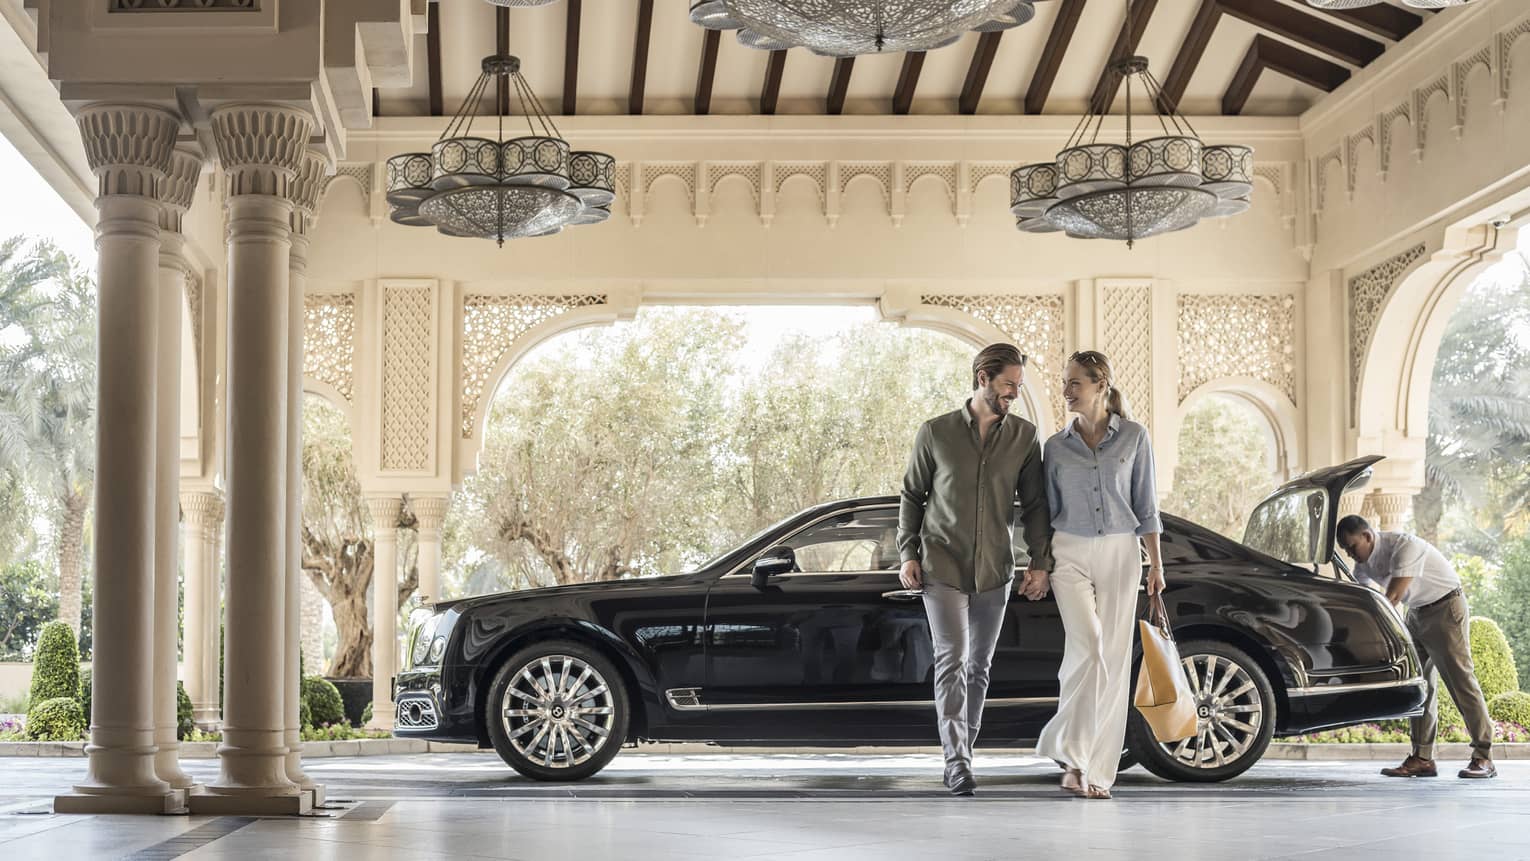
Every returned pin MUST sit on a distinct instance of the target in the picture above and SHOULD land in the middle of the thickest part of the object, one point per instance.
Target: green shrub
(82, 696)
(1511, 707)
(56, 665)
(366, 715)
(56, 719)
(183, 723)
(305, 715)
(323, 699)
(1494, 665)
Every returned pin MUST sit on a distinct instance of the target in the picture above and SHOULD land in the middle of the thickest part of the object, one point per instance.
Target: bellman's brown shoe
(1413, 766)
(1480, 768)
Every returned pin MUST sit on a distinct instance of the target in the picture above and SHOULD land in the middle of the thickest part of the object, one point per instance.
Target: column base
(316, 795)
(214, 804)
(169, 804)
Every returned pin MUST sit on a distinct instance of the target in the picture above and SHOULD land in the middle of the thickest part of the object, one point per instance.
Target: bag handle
(1157, 615)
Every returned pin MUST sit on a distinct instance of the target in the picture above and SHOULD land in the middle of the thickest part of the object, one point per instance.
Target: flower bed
(1370, 733)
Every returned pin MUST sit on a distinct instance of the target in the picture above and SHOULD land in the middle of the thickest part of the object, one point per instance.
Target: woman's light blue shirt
(1108, 491)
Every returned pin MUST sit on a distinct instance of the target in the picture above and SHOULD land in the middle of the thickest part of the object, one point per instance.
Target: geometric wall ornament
(361, 172)
(1237, 336)
(1367, 293)
(1034, 323)
(408, 377)
(329, 341)
(490, 327)
(1128, 341)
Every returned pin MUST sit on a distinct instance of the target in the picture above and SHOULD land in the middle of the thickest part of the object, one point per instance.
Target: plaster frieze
(408, 377)
(1036, 324)
(329, 339)
(491, 326)
(1236, 336)
(1127, 339)
(1367, 293)
(128, 147)
(261, 147)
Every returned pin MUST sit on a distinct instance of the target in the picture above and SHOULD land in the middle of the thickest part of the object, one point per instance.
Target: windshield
(742, 544)
(1291, 527)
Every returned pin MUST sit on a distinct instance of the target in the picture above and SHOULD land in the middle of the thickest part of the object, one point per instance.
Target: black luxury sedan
(803, 636)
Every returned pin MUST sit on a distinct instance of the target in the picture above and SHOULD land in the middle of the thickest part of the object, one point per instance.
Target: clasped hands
(1034, 584)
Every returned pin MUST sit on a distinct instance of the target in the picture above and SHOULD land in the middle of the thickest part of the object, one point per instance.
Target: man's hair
(1351, 524)
(994, 358)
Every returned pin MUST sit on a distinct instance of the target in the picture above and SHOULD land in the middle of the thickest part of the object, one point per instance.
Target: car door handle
(904, 595)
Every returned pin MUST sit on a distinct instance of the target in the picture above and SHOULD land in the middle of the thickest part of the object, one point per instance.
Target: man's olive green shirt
(957, 513)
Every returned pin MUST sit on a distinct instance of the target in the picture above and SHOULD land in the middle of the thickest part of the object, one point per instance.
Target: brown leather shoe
(1481, 768)
(1414, 766)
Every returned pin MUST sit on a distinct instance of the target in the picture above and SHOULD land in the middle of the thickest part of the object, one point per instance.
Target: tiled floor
(801, 807)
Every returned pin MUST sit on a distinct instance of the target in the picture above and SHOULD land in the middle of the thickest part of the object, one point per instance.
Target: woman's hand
(1155, 583)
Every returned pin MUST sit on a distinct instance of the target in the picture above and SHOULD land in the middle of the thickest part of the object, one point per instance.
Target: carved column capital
(430, 513)
(178, 188)
(261, 147)
(128, 146)
(1391, 508)
(384, 511)
(202, 509)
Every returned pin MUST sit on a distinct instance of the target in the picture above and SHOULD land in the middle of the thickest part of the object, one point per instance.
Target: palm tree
(47, 401)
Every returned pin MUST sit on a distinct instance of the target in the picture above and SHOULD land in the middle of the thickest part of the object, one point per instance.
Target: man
(955, 532)
(1409, 571)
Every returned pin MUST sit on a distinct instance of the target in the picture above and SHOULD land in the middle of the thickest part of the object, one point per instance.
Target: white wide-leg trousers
(1095, 582)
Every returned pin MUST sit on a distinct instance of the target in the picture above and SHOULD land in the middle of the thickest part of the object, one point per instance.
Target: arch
(331, 395)
(882, 192)
(731, 178)
(337, 179)
(1279, 413)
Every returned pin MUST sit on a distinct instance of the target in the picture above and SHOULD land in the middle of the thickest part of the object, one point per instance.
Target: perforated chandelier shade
(1356, 4)
(846, 28)
(1136, 189)
(499, 189)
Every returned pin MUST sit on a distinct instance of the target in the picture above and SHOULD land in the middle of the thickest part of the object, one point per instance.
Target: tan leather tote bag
(1163, 690)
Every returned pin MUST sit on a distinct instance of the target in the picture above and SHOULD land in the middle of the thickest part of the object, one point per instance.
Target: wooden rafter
(1052, 55)
(839, 85)
(1127, 39)
(501, 46)
(640, 56)
(1277, 56)
(1190, 53)
(1304, 29)
(770, 93)
(433, 58)
(706, 73)
(977, 72)
(571, 58)
(908, 80)
(1388, 22)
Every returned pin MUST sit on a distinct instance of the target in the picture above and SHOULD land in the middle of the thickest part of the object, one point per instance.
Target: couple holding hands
(1083, 505)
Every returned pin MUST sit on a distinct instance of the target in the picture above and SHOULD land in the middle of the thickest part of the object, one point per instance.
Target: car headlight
(437, 649)
(423, 633)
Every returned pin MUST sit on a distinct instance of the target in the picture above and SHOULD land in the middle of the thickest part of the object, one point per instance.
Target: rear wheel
(1235, 704)
(557, 711)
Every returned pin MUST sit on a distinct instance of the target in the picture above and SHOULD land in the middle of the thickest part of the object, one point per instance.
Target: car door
(823, 650)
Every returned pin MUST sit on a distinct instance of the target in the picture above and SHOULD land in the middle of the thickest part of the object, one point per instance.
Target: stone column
(384, 511)
(430, 512)
(175, 194)
(261, 149)
(1391, 509)
(202, 512)
(128, 148)
(212, 620)
(305, 199)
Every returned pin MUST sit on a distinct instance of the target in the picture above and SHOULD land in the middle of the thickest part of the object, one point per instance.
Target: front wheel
(557, 711)
(1235, 704)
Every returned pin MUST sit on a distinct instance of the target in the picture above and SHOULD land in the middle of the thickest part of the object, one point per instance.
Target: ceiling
(604, 57)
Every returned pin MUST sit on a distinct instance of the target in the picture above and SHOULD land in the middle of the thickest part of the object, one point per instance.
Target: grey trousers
(1442, 635)
(964, 628)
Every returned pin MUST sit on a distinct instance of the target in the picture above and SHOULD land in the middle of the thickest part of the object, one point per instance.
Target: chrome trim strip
(1358, 686)
(689, 700)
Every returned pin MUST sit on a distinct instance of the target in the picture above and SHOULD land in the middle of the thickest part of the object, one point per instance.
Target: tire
(1235, 727)
(567, 736)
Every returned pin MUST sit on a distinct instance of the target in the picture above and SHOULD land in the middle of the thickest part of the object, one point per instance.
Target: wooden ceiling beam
(1304, 29)
(1052, 55)
(1109, 83)
(1277, 56)
(706, 72)
(1189, 57)
(1388, 22)
(640, 56)
(977, 72)
(839, 85)
(571, 58)
(501, 46)
(433, 57)
(908, 79)
(770, 93)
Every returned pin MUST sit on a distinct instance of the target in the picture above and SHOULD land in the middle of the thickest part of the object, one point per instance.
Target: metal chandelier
(499, 189)
(846, 28)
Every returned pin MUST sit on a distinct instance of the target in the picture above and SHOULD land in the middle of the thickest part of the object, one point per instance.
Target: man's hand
(1035, 584)
(912, 575)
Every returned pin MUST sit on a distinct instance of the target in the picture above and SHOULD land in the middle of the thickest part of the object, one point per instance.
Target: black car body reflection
(829, 652)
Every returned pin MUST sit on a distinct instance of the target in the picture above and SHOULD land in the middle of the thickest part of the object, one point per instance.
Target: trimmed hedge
(1511, 707)
(82, 696)
(305, 715)
(56, 664)
(323, 700)
(1494, 663)
(56, 719)
(366, 715)
(183, 723)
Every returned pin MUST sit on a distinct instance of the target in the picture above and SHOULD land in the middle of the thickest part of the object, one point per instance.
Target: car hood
(604, 587)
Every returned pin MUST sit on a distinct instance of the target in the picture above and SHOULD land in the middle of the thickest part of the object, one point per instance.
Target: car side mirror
(773, 562)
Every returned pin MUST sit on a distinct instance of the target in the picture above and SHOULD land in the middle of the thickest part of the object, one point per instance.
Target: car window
(1291, 527)
(865, 540)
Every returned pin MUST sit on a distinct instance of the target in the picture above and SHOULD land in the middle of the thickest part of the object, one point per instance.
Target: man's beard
(992, 399)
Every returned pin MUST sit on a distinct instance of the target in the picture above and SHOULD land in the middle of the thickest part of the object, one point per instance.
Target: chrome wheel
(558, 711)
(1229, 712)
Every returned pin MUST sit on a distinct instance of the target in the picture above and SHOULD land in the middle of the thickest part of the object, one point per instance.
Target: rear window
(1291, 527)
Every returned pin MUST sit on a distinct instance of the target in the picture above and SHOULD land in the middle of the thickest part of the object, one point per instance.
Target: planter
(355, 694)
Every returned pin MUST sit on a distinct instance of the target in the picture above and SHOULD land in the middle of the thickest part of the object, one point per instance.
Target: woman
(1099, 479)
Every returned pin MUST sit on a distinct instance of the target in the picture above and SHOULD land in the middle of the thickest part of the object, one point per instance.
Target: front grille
(416, 713)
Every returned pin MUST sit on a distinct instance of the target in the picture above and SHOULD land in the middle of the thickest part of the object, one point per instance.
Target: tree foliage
(28, 600)
(1224, 467)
